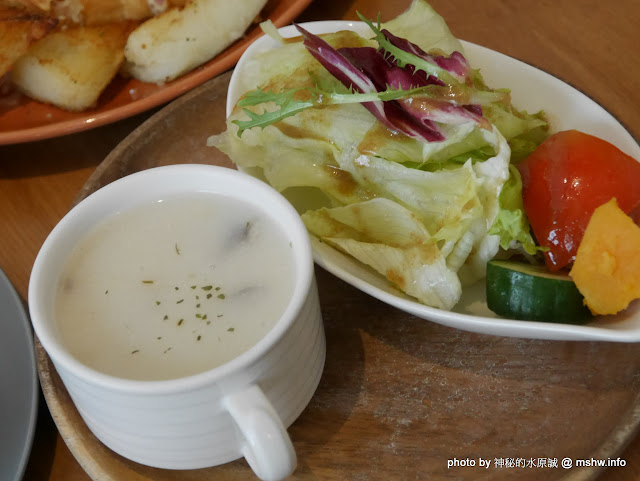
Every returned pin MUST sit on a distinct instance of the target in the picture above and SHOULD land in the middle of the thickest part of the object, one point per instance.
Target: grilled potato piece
(40, 5)
(180, 39)
(95, 12)
(19, 29)
(100, 12)
(70, 67)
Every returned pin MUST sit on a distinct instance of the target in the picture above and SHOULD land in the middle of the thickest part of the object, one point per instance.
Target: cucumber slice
(526, 292)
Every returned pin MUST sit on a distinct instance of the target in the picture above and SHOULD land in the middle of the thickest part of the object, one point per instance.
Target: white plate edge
(479, 324)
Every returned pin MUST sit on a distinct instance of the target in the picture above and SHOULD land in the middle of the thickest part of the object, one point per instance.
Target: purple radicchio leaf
(383, 74)
(367, 70)
(410, 125)
(439, 111)
(474, 109)
(390, 114)
(456, 64)
(341, 69)
(443, 112)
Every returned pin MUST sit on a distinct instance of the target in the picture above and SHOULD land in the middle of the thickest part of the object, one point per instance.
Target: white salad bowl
(238, 409)
(531, 90)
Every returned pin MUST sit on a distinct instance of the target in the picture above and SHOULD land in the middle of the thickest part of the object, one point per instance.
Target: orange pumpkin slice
(607, 265)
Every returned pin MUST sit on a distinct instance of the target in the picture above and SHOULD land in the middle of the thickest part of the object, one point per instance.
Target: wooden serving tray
(400, 396)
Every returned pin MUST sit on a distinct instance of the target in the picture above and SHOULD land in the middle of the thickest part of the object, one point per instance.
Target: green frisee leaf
(403, 58)
(285, 100)
(288, 105)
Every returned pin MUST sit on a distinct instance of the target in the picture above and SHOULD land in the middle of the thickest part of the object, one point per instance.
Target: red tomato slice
(564, 180)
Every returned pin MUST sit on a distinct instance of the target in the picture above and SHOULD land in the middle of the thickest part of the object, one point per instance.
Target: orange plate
(23, 119)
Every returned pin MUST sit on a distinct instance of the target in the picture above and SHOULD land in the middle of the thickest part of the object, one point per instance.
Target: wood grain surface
(400, 396)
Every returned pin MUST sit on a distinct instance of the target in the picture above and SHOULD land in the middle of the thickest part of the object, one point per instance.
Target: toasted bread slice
(18, 31)
(180, 39)
(71, 67)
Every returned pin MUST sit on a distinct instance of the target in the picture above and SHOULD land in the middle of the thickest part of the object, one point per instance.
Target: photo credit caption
(530, 463)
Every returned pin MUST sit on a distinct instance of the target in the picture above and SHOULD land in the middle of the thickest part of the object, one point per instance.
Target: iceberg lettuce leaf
(427, 216)
(511, 224)
(421, 24)
(391, 240)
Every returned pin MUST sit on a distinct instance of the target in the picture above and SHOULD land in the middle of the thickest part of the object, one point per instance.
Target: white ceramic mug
(241, 408)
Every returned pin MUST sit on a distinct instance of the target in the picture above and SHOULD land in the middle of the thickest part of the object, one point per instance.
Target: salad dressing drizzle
(376, 138)
(296, 132)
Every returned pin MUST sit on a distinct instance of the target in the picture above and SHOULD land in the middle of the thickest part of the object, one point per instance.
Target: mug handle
(267, 448)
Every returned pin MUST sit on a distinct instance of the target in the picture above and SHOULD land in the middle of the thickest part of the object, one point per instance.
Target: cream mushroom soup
(174, 287)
